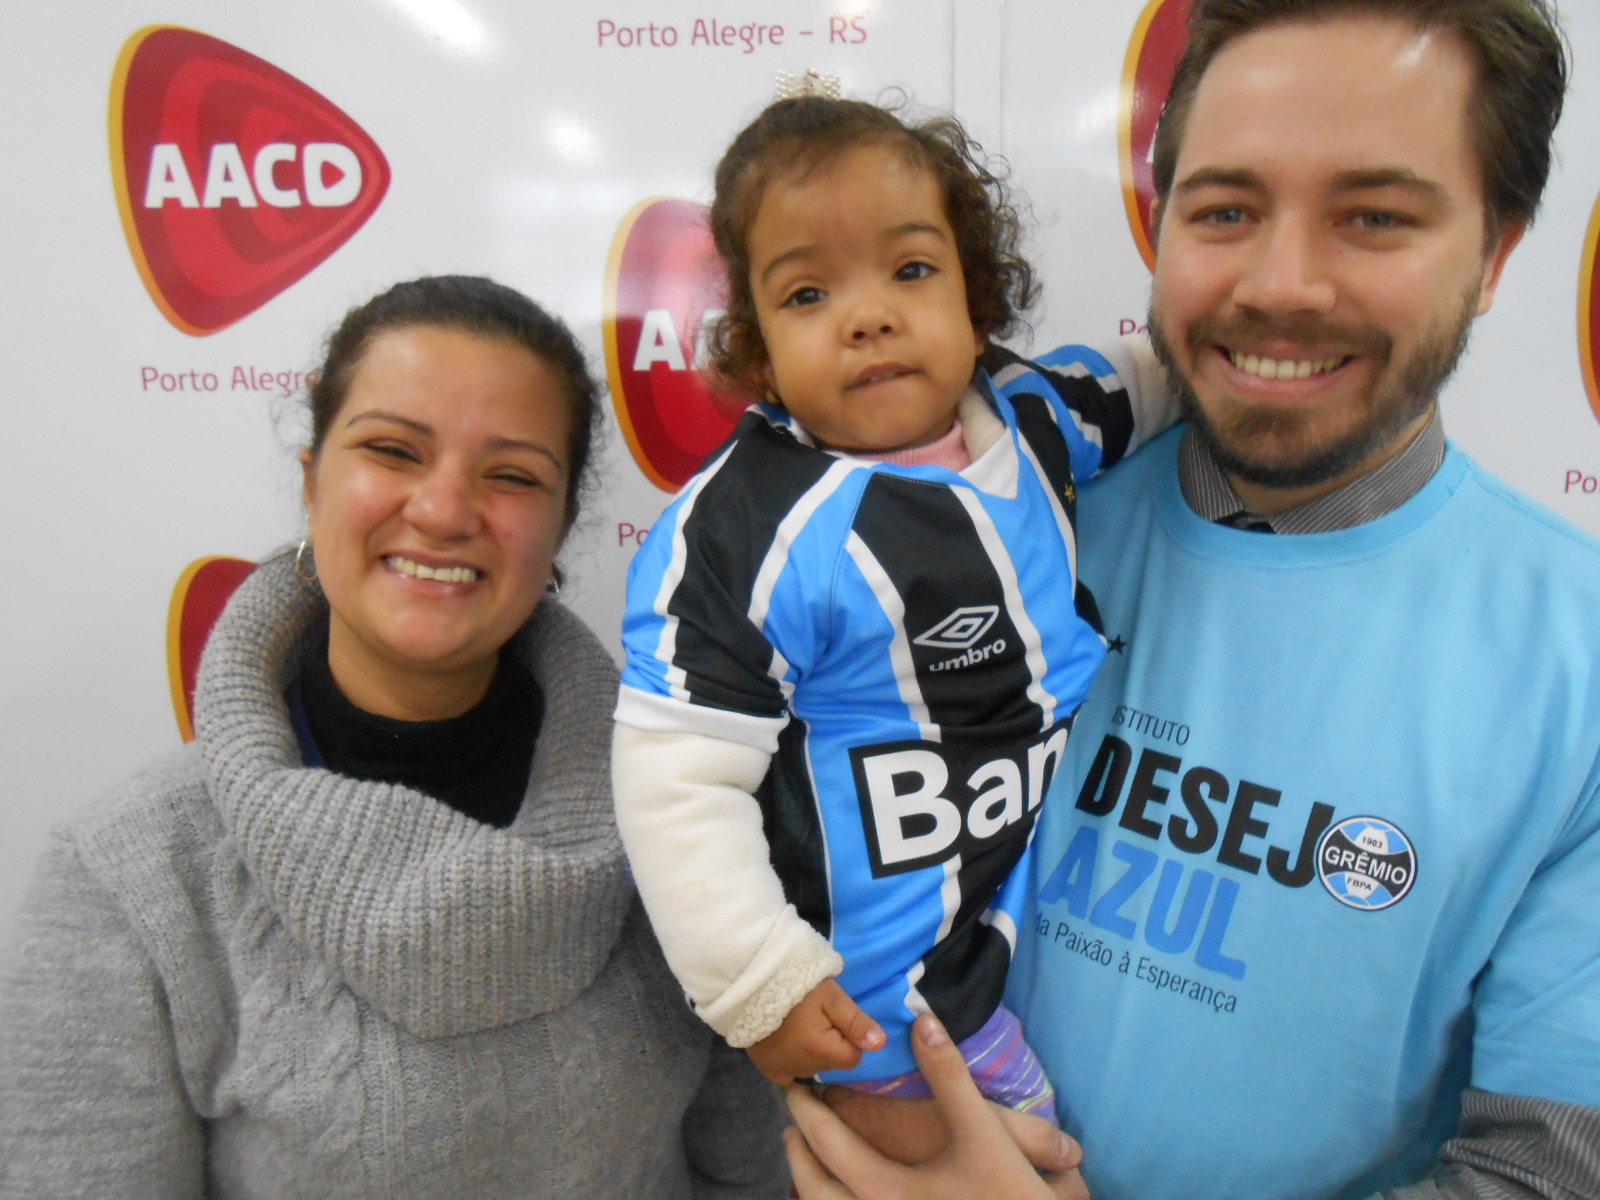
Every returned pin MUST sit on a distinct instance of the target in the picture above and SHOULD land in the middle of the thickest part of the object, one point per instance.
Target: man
(1318, 890)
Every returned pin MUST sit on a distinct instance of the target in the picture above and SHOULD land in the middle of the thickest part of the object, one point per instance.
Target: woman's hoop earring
(300, 561)
(552, 586)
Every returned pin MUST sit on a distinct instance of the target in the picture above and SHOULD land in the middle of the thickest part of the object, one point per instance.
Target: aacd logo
(234, 178)
(664, 289)
(1589, 312)
(1158, 42)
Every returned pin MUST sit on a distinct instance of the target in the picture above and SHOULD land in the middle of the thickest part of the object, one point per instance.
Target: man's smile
(1283, 368)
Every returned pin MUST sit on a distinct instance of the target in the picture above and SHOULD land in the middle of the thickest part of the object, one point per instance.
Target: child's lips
(881, 373)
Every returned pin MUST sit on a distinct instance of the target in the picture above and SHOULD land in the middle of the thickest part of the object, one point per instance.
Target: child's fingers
(801, 1055)
(832, 1052)
(850, 1020)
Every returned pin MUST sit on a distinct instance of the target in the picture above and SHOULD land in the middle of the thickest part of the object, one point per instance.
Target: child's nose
(872, 317)
(861, 334)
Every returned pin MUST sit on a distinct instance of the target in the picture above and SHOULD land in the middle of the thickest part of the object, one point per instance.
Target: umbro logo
(961, 629)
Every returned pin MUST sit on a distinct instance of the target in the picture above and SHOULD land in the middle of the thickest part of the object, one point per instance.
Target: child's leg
(1003, 1065)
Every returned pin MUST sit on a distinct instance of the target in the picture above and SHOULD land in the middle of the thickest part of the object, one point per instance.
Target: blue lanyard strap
(302, 726)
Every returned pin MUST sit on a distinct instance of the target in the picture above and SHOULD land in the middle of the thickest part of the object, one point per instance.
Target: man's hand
(832, 1162)
(914, 1131)
(826, 1031)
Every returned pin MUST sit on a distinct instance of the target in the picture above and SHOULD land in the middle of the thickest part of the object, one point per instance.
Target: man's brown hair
(1518, 53)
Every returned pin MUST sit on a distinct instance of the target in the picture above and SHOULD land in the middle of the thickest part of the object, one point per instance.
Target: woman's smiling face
(437, 505)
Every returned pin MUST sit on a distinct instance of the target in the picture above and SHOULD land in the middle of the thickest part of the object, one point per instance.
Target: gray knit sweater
(240, 977)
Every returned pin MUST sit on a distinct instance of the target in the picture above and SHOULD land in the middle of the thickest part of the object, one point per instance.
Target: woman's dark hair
(1521, 79)
(791, 139)
(466, 304)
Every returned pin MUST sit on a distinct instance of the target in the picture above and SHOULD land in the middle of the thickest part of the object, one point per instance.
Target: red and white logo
(1589, 312)
(199, 597)
(1153, 53)
(664, 288)
(234, 178)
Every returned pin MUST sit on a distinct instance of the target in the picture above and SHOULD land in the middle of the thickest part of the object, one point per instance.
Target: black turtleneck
(477, 763)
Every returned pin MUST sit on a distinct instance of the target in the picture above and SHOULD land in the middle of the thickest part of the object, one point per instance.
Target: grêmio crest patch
(1366, 863)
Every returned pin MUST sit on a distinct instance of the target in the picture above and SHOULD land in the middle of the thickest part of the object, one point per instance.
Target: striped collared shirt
(1363, 499)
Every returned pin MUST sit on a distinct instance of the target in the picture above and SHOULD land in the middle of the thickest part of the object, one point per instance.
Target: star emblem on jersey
(961, 629)
(1116, 645)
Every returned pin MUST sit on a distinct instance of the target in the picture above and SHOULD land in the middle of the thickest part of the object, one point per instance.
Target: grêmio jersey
(908, 638)
(1325, 849)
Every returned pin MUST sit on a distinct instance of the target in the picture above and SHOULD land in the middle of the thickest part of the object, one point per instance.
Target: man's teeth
(1285, 368)
(443, 574)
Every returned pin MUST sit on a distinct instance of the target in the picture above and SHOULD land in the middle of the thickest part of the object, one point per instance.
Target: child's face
(862, 303)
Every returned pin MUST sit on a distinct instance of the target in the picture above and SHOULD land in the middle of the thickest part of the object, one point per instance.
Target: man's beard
(1237, 442)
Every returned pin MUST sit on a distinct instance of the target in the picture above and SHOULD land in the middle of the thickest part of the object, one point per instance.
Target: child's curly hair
(792, 138)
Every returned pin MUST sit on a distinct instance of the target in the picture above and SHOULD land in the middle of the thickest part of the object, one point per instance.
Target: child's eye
(913, 271)
(803, 297)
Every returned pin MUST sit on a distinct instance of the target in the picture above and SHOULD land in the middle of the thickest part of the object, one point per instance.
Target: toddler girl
(853, 648)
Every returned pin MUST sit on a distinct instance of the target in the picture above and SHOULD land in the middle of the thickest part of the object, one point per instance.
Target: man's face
(1322, 252)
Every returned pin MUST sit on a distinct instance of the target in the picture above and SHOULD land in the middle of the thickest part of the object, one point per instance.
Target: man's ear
(1155, 223)
(1495, 262)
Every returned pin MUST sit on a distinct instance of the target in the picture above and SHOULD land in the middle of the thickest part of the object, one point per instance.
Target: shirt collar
(1363, 499)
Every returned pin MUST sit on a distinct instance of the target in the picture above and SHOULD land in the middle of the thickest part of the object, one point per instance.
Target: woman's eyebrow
(378, 414)
(426, 430)
(531, 447)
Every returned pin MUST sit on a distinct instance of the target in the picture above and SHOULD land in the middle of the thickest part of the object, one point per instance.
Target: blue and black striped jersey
(912, 641)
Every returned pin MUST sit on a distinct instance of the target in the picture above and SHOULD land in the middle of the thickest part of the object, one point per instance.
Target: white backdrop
(519, 137)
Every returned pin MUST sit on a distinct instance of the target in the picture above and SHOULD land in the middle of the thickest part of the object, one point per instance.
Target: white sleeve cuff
(784, 972)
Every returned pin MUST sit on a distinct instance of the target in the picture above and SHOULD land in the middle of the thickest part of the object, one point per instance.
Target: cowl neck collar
(444, 924)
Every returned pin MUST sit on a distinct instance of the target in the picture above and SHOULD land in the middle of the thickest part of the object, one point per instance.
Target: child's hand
(825, 1031)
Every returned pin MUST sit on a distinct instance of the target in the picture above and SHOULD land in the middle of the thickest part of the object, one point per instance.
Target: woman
(371, 934)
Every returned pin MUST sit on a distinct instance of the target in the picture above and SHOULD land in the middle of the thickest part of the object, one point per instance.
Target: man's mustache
(1320, 337)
